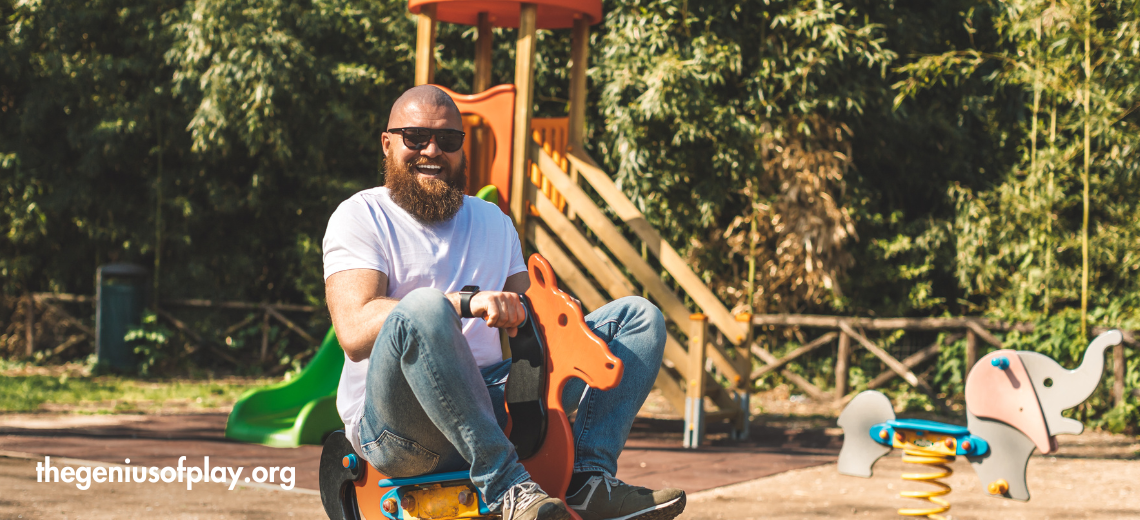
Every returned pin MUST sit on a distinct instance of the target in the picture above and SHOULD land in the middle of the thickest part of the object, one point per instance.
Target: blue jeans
(428, 408)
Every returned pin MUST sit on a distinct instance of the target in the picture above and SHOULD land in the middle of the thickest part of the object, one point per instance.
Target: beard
(430, 201)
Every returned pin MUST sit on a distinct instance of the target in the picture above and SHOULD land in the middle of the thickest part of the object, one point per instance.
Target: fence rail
(268, 312)
(846, 329)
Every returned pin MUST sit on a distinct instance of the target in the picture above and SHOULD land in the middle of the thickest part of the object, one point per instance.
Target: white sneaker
(527, 501)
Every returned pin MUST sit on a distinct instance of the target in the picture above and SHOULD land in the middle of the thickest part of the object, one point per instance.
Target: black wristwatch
(465, 295)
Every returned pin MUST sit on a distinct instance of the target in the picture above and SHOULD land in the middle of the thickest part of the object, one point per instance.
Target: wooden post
(483, 55)
(842, 358)
(479, 162)
(425, 45)
(579, 61)
(1118, 374)
(264, 335)
(740, 430)
(694, 393)
(29, 324)
(971, 349)
(524, 107)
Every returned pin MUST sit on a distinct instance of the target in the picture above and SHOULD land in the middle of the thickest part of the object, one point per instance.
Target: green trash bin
(121, 293)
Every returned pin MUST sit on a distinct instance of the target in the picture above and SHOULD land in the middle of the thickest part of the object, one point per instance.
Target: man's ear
(385, 141)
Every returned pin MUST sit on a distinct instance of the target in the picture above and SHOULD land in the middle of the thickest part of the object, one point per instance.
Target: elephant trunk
(1087, 376)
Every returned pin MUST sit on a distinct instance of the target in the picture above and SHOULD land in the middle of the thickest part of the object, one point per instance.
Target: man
(422, 388)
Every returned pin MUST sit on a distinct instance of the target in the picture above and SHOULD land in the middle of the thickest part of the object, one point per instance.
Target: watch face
(470, 289)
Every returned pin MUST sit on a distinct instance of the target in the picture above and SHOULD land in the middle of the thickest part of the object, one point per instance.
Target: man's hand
(502, 310)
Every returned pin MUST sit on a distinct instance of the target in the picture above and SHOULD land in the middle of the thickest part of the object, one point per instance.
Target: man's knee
(426, 305)
(422, 313)
(644, 316)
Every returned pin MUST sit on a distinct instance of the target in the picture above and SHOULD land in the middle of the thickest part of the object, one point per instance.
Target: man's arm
(358, 307)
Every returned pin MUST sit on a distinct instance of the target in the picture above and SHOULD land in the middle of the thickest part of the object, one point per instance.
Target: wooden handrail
(676, 266)
(607, 232)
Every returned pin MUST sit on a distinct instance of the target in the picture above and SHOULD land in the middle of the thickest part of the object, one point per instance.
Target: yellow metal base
(438, 501)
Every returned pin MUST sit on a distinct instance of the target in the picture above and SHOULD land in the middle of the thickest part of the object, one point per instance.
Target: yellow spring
(934, 461)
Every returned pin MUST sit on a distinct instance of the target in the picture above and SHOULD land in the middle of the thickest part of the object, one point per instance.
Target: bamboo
(524, 107)
(1085, 181)
(425, 45)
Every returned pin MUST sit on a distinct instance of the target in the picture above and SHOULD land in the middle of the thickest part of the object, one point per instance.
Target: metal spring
(934, 461)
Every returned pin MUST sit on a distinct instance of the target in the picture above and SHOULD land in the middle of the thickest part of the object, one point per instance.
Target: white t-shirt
(479, 246)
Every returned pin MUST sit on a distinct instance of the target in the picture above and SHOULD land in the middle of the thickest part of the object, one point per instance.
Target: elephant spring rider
(1014, 401)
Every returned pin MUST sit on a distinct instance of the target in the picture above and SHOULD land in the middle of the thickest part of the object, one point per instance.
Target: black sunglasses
(417, 138)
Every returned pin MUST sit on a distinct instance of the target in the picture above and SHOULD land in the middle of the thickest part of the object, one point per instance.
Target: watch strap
(465, 295)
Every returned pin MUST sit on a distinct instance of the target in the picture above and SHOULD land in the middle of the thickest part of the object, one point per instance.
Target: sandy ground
(21, 497)
(1094, 476)
(1060, 488)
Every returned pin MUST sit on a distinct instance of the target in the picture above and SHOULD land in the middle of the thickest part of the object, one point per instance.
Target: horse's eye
(562, 320)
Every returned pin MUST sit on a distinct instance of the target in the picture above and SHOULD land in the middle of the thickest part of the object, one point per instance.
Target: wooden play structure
(545, 178)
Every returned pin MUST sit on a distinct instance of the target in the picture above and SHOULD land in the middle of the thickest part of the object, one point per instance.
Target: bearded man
(420, 279)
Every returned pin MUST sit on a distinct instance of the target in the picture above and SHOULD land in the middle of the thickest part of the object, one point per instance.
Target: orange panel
(496, 107)
(573, 350)
(552, 14)
(552, 133)
(369, 493)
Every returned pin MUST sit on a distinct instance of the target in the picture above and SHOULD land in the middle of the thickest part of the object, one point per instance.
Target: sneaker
(606, 498)
(527, 501)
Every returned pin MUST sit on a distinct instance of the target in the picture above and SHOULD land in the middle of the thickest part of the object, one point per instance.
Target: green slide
(295, 412)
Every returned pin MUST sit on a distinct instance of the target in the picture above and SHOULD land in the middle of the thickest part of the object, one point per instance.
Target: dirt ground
(1094, 475)
(21, 497)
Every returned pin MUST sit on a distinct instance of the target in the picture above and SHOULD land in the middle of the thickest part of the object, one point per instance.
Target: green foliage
(151, 342)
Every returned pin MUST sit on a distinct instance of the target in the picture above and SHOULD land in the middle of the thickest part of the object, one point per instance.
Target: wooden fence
(844, 330)
(267, 312)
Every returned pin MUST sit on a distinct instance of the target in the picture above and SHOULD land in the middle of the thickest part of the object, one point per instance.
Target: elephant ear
(999, 388)
(860, 451)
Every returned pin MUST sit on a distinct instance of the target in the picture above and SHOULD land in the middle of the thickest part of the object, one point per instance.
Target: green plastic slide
(295, 412)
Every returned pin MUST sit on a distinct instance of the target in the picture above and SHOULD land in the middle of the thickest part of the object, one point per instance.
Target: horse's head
(574, 350)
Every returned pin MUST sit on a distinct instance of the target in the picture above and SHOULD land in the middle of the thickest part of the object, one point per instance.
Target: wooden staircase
(596, 261)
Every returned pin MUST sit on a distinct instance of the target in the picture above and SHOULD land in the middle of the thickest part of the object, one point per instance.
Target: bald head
(425, 106)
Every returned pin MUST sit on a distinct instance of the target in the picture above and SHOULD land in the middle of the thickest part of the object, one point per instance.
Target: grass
(114, 394)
